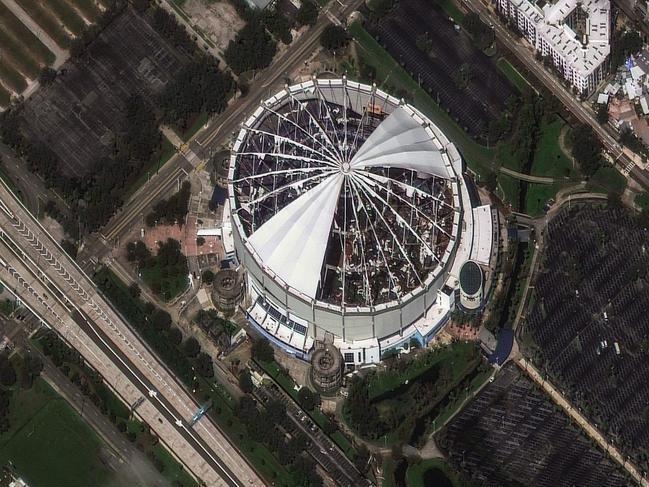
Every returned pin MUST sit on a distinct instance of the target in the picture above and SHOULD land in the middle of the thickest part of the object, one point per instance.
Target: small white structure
(637, 73)
(471, 285)
(602, 99)
(644, 105)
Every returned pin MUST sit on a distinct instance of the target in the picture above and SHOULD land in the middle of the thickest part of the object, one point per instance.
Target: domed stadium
(349, 210)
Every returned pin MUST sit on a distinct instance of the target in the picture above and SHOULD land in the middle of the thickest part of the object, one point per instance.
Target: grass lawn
(415, 473)
(259, 456)
(172, 469)
(388, 472)
(549, 159)
(196, 125)
(171, 286)
(458, 354)
(642, 200)
(538, 195)
(607, 179)
(508, 189)
(390, 73)
(446, 413)
(512, 74)
(49, 444)
(46, 20)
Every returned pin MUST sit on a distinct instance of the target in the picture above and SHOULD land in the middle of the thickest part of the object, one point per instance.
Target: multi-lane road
(46, 280)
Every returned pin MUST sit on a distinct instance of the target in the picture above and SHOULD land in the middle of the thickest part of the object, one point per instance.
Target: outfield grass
(513, 75)
(49, 444)
(642, 200)
(415, 472)
(390, 73)
(46, 20)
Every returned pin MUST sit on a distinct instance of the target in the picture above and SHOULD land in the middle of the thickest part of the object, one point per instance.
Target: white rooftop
(292, 243)
(551, 25)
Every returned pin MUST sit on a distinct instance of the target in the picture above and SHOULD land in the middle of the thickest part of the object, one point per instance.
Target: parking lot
(483, 97)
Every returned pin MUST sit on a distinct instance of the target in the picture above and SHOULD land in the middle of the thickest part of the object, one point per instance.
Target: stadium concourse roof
(292, 243)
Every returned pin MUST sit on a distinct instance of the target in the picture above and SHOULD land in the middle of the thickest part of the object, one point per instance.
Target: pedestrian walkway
(576, 416)
(526, 177)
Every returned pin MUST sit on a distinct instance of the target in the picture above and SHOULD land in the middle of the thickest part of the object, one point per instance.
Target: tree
(586, 149)
(308, 399)
(191, 347)
(204, 366)
(602, 113)
(70, 247)
(614, 200)
(47, 76)
(161, 320)
(200, 241)
(7, 372)
(307, 14)
(334, 38)
(134, 290)
(175, 336)
(245, 382)
(252, 48)
(490, 180)
(362, 458)
(262, 350)
(207, 276)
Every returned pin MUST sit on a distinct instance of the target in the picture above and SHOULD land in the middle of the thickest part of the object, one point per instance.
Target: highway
(46, 280)
(525, 54)
(207, 140)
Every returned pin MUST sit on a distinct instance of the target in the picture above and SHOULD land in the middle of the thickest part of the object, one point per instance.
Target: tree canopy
(307, 14)
(252, 48)
(334, 38)
(262, 350)
(586, 149)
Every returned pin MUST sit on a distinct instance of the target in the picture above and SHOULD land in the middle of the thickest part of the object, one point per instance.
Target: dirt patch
(218, 20)
(53, 227)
